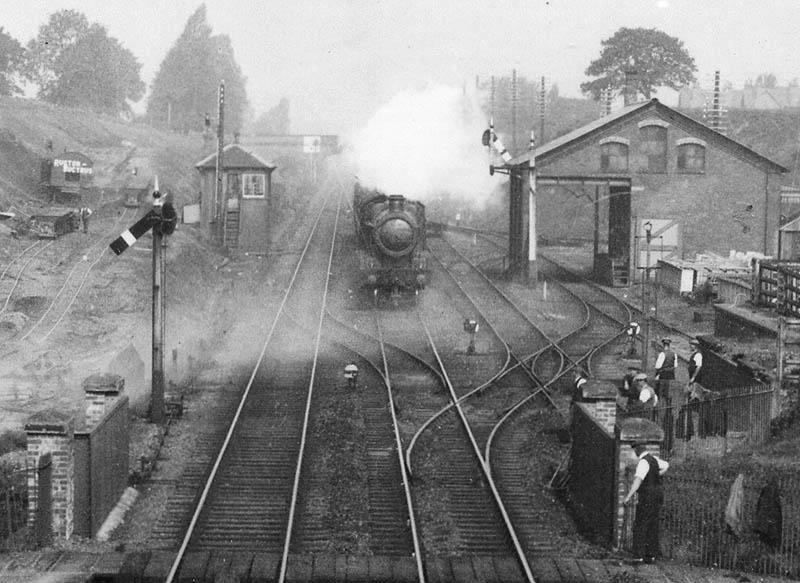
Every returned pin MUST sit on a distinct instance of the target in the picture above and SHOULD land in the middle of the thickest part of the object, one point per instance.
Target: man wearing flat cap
(647, 395)
(695, 363)
(647, 484)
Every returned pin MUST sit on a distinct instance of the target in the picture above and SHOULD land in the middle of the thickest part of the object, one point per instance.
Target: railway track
(39, 256)
(458, 501)
(72, 286)
(9, 280)
(280, 474)
(252, 494)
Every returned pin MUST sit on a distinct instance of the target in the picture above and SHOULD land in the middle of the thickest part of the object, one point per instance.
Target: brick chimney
(630, 94)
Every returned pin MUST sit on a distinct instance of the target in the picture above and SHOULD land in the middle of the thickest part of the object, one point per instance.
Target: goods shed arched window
(691, 156)
(653, 134)
(614, 154)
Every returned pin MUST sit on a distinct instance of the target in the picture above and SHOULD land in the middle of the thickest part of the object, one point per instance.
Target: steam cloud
(424, 144)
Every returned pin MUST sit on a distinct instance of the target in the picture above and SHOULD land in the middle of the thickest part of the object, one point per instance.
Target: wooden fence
(778, 287)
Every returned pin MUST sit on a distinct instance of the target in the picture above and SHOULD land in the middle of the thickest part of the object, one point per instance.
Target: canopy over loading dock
(643, 183)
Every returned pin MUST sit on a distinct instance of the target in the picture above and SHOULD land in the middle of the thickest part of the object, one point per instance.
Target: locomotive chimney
(395, 202)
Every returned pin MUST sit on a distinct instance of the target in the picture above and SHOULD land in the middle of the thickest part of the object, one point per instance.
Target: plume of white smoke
(423, 144)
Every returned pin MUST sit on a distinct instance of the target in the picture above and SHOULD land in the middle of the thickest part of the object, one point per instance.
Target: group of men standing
(650, 468)
(636, 395)
(635, 391)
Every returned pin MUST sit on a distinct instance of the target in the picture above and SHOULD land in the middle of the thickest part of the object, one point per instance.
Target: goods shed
(644, 183)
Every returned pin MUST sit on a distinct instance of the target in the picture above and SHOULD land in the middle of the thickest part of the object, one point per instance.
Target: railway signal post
(162, 219)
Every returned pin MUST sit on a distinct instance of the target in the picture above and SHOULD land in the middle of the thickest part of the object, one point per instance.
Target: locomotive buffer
(162, 218)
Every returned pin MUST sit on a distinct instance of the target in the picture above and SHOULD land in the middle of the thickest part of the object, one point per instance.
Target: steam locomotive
(391, 236)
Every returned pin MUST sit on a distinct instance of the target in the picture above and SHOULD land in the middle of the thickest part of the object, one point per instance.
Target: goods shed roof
(594, 128)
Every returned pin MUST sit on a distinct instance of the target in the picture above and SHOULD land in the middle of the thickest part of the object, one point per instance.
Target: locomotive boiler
(391, 236)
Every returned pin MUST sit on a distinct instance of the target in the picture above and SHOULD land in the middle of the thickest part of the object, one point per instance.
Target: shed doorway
(612, 260)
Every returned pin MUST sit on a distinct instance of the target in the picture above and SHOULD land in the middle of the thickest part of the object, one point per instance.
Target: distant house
(751, 97)
(649, 173)
(237, 211)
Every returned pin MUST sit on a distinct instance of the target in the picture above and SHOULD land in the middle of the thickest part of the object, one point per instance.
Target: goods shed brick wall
(719, 210)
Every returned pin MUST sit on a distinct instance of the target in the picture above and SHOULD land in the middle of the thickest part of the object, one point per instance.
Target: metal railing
(13, 509)
(713, 424)
(696, 523)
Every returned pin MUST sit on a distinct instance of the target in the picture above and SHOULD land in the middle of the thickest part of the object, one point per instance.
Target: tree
(62, 31)
(657, 59)
(275, 121)
(767, 80)
(77, 64)
(11, 60)
(98, 73)
(186, 85)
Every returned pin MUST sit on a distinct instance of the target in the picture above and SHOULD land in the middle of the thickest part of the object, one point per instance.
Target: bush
(704, 293)
(12, 441)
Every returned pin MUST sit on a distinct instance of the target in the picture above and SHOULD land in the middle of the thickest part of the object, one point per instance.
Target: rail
(181, 553)
(484, 467)
(399, 445)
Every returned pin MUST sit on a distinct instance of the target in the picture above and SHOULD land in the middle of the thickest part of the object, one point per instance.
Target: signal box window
(654, 148)
(253, 185)
(614, 157)
(691, 158)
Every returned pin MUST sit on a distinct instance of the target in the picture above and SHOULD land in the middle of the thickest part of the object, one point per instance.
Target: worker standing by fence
(647, 484)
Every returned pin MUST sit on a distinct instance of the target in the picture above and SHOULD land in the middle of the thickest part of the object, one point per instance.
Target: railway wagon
(391, 236)
(66, 176)
(53, 222)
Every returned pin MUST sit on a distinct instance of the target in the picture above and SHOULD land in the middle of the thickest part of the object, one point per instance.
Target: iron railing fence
(697, 525)
(713, 425)
(14, 508)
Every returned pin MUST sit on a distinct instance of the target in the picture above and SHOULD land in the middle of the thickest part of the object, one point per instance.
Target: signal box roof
(236, 157)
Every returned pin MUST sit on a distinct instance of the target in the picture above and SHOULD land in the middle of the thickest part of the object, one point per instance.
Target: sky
(340, 61)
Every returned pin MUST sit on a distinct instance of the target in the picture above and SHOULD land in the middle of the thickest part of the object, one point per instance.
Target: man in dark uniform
(647, 483)
(695, 363)
(666, 362)
(628, 393)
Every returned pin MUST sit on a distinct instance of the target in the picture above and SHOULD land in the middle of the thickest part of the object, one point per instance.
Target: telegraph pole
(542, 108)
(219, 187)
